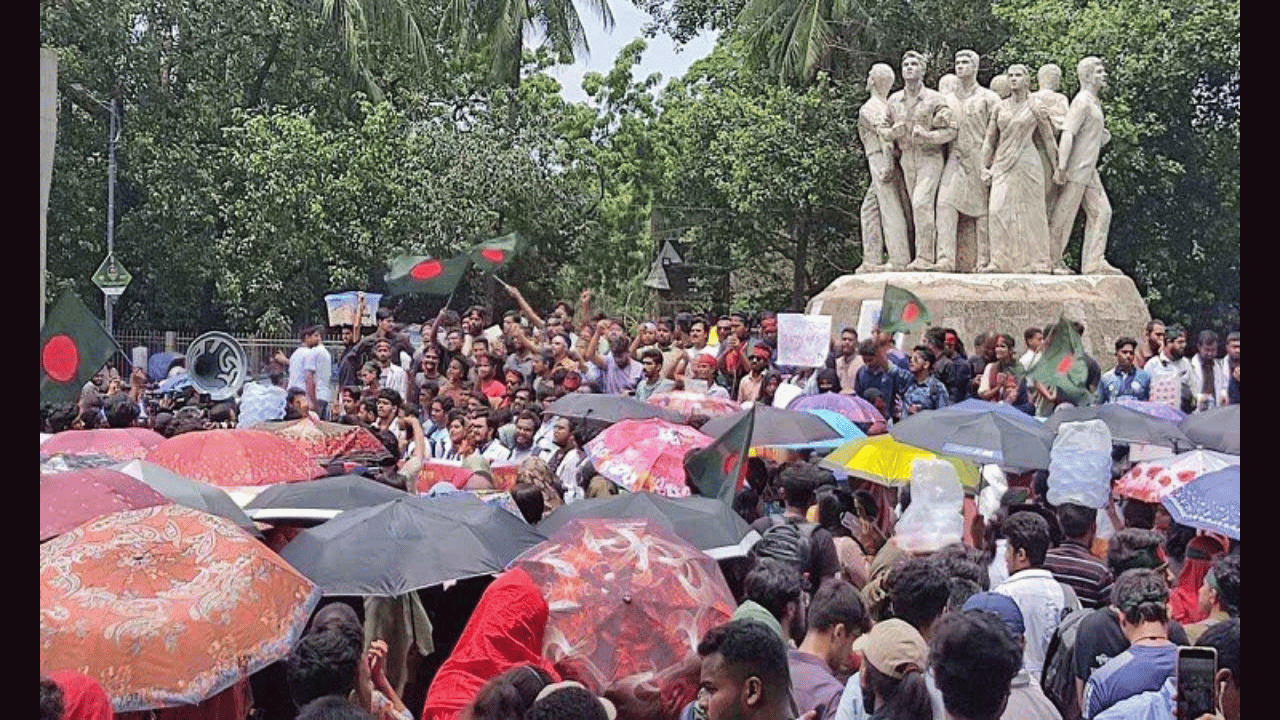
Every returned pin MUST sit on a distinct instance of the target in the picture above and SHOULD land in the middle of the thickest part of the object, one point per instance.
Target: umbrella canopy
(319, 500)
(166, 606)
(62, 462)
(626, 597)
(853, 407)
(646, 456)
(229, 458)
(1151, 481)
(775, 426)
(158, 365)
(606, 409)
(1008, 411)
(983, 437)
(191, 493)
(687, 404)
(69, 499)
(1126, 424)
(1154, 409)
(882, 459)
(326, 442)
(408, 544)
(1210, 502)
(706, 523)
(119, 443)
(1216, 429)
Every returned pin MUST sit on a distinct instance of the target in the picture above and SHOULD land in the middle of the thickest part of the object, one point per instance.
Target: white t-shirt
(395, 378)
(317, 360)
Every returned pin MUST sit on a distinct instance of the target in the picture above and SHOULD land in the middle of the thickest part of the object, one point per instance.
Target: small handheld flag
(419, 274)
(493, 255)
(718, 469)
(901, 311)
(1062, 364)
(73, 346)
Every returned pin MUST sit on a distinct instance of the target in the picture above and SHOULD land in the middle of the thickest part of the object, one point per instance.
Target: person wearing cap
(758, 360)
(1027, 700)
(836, 618)
(894, 657)
(744, 674)
(704, 376)
(975, 659)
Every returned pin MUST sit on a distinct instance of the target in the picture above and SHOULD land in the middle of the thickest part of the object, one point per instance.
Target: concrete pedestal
(1108, 305)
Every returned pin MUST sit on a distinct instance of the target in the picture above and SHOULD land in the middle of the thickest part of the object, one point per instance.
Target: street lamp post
(113, 137)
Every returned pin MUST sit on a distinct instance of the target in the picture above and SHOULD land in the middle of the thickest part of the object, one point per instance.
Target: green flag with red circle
(1062, 364)
(73, 346)
(901, 311)
(493, 255)
(719, 469)
(411, 274)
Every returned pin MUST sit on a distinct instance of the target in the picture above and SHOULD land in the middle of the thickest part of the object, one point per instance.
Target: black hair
(867, 347)
(52, 702)
(918, 591)
(62, 416)
(1076, 520)
(974, 659)
(927, 352)
(1138, 514)
(568, 703)
(773, 584)
(750, 648)
(831, 506)
(510, 694)
(529, 499)
(1141, 596)
(1226, 575)
(385, 312)
(332, 707)
(1206, 336)
(961, 590)
(653, 354)
(391, 395)
(1029, 532)
(1133, 548)
(905, 698)
(121, 410)
(797, 486)
(1225, 638)
(827, 376)
(747, 505)
(1176, 539)
(325, 663)
(1030, 333)
(838, 603)
(961, 561)
(1124, 340)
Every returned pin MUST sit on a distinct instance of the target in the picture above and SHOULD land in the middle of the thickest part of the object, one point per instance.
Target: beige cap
(893, 647)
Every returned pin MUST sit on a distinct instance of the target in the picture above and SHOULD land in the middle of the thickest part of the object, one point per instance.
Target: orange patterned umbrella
(326, 442)
(687, 404)
(166, 606)
(120, 443)
(235, 458)
(626, 597)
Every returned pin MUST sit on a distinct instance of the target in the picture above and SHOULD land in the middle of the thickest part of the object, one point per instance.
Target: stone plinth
(1108, 305)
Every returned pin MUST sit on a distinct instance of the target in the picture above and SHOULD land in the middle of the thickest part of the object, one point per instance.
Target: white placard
(868, 317)
(803, 340)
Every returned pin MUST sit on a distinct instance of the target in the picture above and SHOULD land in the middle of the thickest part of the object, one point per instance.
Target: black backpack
(787, 540)
(1058, 678)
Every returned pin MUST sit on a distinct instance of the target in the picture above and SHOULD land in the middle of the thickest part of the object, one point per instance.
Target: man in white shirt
(1207, 376)
(564, 458)
(1041, 598)
(1170, 371)
(392, 375)
(1034, 338)
(310, 370)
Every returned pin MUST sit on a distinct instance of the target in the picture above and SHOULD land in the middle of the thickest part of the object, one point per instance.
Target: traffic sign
(111, 277)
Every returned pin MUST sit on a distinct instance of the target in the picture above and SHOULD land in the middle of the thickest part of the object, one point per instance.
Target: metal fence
(258, 348)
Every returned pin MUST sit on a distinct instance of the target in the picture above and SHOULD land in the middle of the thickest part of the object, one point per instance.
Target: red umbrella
(688, 404)
(626, 597)
(235, 458)
(646, 455)
(120, 443)
(326, 442)
(69, 499)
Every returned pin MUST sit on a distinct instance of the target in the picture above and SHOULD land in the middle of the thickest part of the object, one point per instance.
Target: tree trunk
(800, 275)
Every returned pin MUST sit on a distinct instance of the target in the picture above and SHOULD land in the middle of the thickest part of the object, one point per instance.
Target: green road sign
(111, 277)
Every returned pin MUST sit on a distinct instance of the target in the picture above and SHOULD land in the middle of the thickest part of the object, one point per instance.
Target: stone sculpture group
(1017, 165)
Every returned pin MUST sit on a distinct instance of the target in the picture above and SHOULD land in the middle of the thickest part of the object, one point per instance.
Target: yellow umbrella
(882, 459)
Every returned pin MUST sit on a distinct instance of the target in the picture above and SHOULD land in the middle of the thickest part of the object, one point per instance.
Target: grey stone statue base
(1108, 305)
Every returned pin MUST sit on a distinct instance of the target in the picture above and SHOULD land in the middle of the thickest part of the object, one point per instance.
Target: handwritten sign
(803, 340)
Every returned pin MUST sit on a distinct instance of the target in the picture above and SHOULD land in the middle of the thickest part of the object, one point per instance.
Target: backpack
(1058, 678)
(787, 540)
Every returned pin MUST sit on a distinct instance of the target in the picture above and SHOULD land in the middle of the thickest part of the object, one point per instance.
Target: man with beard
(744, 674)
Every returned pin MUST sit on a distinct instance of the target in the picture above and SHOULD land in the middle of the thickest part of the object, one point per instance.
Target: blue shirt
(1137, 670)
(929, 395)
(1116, 384)
(892, 382)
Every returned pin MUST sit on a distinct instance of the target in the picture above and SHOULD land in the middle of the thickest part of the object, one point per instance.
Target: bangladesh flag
(901, 311)
(418, 274)
(1062, 364)
(493, 255)
(73, 346)
(719, 469)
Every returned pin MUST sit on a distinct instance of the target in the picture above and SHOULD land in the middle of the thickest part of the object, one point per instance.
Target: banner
(342, 308)
(803, 340)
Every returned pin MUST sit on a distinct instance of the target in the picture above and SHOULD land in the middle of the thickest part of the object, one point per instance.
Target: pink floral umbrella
(646, 455)
(120, 443)
(1151, 481)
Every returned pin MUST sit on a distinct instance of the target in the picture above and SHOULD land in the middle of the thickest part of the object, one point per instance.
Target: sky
(662, 55)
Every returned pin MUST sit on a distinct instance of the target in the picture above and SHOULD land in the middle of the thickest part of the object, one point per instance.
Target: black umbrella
(408, 544)
(191, 493)
(1216, 429)
(706, 523)
(983, 437)
(319, 500)
(775, 426)
(607, 409)
(1126, 425)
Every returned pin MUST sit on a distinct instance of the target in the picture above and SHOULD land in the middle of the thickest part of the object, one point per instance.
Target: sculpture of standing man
(961, 190)
(921, 129)
(1048, 79)
(884, 222)
(1083, 136)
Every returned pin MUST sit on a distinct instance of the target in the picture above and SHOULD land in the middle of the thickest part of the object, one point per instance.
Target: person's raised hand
(375, 657)
(585, 296)
(512, 290)
(139, 377)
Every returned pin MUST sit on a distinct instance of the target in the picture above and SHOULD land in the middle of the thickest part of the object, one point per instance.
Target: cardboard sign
(342, 308)
(803, 340)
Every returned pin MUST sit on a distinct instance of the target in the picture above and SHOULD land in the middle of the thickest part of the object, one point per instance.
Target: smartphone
(1197, 667)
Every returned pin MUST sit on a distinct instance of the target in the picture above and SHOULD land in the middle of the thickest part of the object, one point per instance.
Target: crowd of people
(1038, 613)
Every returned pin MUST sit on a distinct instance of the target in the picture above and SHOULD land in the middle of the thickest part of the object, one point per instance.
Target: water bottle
(935, 517)
(1080, 464)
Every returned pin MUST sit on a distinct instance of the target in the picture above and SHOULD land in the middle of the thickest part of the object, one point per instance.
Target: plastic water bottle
(1080, 464)
(935, 517)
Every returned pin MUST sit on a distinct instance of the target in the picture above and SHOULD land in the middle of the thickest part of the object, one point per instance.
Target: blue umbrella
(175, 383)
(158, 365)
(841, 424)
(1210, 502)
